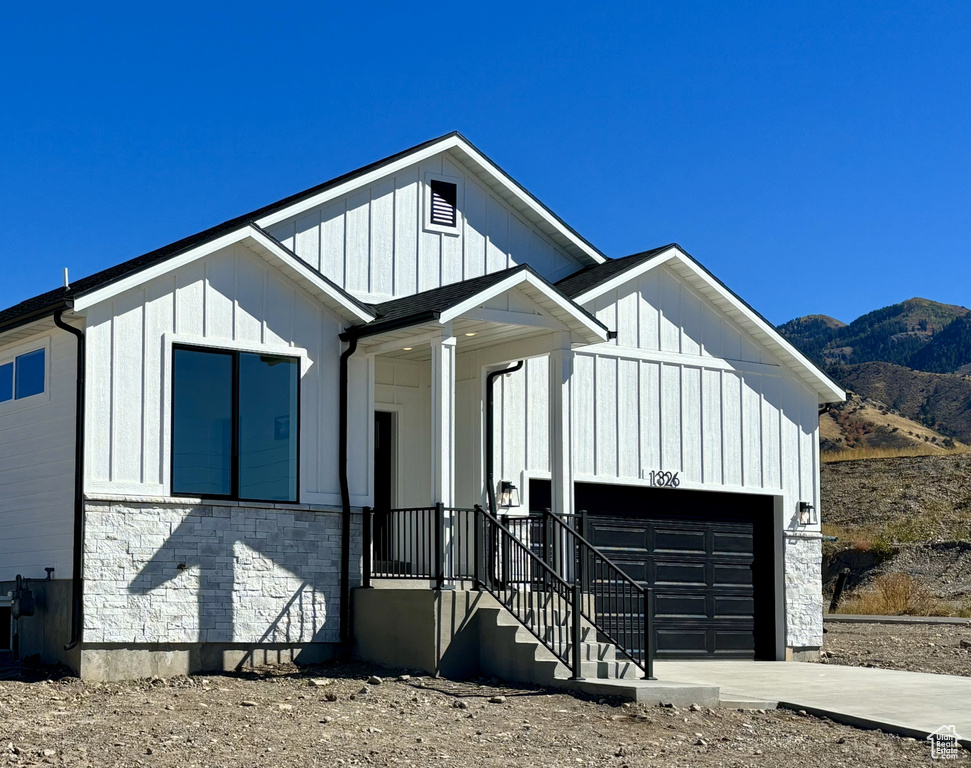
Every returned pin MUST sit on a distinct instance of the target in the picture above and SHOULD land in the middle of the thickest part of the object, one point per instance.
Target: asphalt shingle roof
(60, 295)
(431, 303)
(589, 277)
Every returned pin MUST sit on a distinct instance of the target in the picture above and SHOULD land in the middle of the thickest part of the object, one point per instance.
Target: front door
(383, 460)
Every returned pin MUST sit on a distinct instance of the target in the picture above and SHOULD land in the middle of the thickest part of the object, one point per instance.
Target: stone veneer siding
(804, 591)
(209, 572)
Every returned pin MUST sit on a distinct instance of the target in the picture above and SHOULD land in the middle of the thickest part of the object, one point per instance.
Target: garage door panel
(668, 540)
(727, 642)
(635, 569)
(621, 536)
(678, 641)
(730, 574)
(725, 542)
(730, 607)
(668, 606)
(680, 573)
(708, 556)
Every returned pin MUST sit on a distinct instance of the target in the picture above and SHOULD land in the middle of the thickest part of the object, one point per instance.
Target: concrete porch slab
(907, 703)
(649, 692)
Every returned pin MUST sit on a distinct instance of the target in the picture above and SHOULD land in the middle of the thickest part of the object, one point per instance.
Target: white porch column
(561, 433)
(443, 417)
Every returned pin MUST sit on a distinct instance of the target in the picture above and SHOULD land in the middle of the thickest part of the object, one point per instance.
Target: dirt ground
(333, 716)
(915, 647)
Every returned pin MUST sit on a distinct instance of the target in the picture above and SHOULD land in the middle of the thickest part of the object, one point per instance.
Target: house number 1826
(664, 479)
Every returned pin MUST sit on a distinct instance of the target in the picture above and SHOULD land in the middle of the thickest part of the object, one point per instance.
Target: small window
(231, 417)
(23, 376)
(444, 203)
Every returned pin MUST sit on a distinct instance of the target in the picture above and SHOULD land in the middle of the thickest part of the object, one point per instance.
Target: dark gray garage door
(709, 557)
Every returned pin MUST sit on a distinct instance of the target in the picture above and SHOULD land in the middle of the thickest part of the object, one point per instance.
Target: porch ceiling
(414, 343)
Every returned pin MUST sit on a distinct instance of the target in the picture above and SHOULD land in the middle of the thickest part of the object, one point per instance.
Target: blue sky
(816, 157)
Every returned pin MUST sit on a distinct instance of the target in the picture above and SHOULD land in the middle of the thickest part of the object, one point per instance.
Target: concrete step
(610, 670)
(649, 692)
(599, 660)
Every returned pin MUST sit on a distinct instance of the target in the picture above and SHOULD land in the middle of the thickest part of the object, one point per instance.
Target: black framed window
(235, 424)
(23, 376)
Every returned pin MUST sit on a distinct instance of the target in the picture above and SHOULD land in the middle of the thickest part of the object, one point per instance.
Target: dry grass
(899, 594)
(855, 454)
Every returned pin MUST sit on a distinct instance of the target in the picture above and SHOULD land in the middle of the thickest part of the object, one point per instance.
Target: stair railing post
(648, 634)
(477, 522)
(439, 545)
(504, 554)
(545, 531)
(366, 547)
(576, 626)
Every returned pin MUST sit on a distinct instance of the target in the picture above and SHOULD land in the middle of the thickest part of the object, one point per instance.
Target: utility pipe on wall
(77, 586)
(490, 432)
(345, 616)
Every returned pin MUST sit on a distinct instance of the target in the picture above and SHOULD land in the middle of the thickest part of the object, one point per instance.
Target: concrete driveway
(909, 703)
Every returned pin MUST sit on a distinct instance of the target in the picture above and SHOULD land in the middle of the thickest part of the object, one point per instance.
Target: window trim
(10, 355)
(297, 355)
(428, 224)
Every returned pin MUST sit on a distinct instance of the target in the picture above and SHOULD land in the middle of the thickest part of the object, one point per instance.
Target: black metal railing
(620, 608)
(425, 543)
(539, 567)
(532, 591)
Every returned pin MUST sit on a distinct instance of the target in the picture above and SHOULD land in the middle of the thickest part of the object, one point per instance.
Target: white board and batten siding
(37, 466)
(231, 299)
(682, 389)
(373, 242)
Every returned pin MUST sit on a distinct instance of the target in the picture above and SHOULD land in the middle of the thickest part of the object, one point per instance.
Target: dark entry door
(708, 556)
(383, 459)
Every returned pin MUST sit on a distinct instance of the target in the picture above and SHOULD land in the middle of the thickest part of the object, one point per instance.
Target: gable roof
(59, 298)
(438, 303)
(586, 285)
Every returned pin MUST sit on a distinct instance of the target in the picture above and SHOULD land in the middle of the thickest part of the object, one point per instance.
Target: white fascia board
(824, 387)
(290, 262)
(516, 191)
(527, 278)
(628, 274)
(348, 308)
(157, 270)
(450, 142)
(358, 181)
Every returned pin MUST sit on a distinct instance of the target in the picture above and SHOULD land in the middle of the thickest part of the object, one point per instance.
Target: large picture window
(235, 418)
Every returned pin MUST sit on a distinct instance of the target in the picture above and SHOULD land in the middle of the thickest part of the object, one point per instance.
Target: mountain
(862, 422)
(941, 401)
(899, 334)
(912, 359)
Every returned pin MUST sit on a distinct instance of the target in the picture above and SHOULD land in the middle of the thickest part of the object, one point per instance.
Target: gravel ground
(282, 718)
(914, 647)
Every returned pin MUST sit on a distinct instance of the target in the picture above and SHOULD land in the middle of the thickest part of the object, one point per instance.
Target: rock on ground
(412, 722)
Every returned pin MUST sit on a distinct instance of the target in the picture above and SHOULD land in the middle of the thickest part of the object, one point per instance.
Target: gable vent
(444, 200)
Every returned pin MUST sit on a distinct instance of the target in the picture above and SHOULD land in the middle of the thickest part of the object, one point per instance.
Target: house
(190, 439)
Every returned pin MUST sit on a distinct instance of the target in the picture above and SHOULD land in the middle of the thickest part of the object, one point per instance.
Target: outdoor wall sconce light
(508, 494)
(807, 513)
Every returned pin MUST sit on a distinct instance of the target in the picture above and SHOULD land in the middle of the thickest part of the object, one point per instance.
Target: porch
(579, 616)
